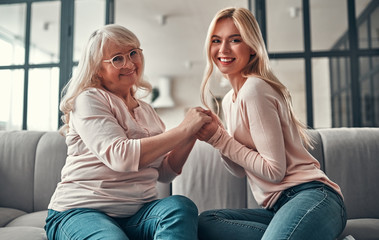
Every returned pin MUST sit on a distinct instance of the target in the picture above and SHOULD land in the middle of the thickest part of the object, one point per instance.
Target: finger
(199, 109)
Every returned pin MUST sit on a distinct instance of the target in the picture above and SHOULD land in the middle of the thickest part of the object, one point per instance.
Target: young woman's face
(122, 79)
(228, 51)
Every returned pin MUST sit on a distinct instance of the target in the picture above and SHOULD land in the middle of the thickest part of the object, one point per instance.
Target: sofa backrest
(349, 157)
(30, 165)
(17, 176)
(51, 155)
(207, 182)
(30, 168)
(31, 162)
(210, 185)
(352, 161)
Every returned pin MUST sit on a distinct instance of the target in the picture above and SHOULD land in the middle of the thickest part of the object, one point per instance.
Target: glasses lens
(118, 61)
(135, 55)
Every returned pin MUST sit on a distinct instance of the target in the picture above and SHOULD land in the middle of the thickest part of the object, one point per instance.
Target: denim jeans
(174, 217)
(311, 211)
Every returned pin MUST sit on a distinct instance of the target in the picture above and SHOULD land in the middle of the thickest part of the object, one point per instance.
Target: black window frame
(353, 53)
(66, 63)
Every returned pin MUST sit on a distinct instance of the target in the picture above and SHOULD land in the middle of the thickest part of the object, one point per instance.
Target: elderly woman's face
(115, 77)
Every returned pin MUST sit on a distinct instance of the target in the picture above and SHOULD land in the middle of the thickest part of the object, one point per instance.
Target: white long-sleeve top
(262, 143)
(101, 170)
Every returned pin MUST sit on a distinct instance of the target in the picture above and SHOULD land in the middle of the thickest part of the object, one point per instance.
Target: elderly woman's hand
(195, 119)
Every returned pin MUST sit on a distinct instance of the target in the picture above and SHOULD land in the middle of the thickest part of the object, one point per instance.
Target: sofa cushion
(17, 158)
(8, 214)
(22, 233)
(351, 160)
(35, 219)
(362, 229)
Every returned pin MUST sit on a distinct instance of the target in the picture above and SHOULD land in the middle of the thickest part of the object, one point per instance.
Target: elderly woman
(117, 151)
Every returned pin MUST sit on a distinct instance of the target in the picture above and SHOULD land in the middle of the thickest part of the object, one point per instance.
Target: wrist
(215, 137)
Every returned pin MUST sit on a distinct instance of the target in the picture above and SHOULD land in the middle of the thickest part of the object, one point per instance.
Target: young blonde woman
(117, 151)
(265, 142)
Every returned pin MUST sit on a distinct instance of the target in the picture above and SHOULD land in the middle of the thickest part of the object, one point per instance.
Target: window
(338, 62)
(38, 54)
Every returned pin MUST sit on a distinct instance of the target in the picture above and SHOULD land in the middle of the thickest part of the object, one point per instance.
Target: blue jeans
(174, 217)
(311, 211)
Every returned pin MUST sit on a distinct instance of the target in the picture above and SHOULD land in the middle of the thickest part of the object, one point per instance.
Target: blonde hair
(90, 63)
(257, 66)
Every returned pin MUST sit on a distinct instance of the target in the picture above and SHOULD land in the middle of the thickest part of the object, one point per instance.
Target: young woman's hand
(209, 129)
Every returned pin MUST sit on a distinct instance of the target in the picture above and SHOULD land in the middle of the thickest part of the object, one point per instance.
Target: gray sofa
(30, 164)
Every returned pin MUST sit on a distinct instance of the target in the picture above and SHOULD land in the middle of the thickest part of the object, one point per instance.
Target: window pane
(45, 32)
(89, 16)
(284, 26)
(341, 91)
(324, 35)
(362, 15)
(336, 112)
(364, 66)
(344, 73)
(369, 87)
(375, 28)
(363, 34)
(11, 99)
(360, 7)
(346, 112)
(12, 34)
(376, 98)
(291, 74)
(334, 69)
(43, 99)
(367, 104)
(322, 112)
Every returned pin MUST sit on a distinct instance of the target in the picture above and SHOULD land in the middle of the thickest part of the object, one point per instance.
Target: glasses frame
(123, 55)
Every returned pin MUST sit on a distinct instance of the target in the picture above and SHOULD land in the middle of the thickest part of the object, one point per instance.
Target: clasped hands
(202, 123)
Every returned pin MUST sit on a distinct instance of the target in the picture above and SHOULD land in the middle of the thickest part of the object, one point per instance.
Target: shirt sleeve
(267, 159)
(94, 121)
(166, 174)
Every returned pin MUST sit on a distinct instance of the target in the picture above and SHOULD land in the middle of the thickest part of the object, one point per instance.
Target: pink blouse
(262, 143)
(101, 170)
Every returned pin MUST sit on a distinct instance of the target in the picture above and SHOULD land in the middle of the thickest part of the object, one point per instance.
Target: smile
(128, 73)
(226, 60)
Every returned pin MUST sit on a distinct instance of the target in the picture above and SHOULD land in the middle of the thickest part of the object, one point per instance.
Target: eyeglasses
(119, 61)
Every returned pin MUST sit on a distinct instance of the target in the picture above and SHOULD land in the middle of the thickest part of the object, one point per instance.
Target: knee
(183, 206)
(205, 218)
(207, 226)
